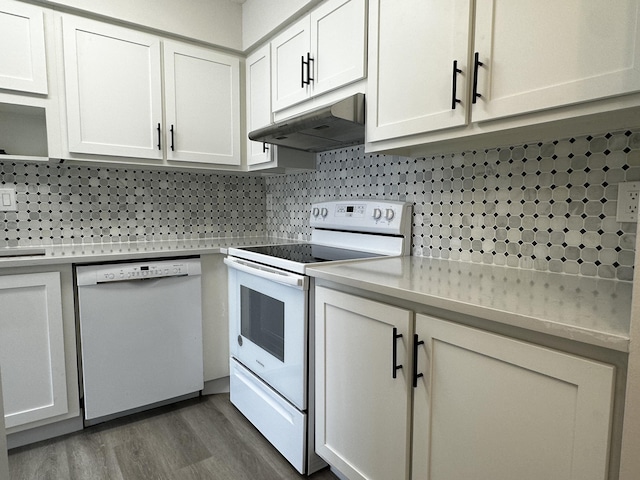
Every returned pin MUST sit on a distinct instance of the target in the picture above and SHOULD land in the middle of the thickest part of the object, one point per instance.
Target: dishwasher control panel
(95, 274)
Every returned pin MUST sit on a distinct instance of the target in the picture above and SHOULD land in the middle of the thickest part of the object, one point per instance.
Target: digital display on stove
(309, 253)
(351, 210)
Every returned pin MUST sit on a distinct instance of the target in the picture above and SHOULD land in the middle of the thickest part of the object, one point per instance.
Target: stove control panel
(363, 215)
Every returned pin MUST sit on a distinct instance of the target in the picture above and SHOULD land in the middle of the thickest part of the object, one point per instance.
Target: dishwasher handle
(273, 274)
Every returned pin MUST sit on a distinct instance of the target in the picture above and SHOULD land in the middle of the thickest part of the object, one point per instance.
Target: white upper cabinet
(338, 39)
(290, 51)
(113, 90)
(23, 65)
(258, 89)
(534, 57)
(114, 96)
(321, 52)
(418, 72)
(540, 54)
(202, 104)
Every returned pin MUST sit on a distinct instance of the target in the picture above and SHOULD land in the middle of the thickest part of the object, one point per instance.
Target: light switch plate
(8, 199)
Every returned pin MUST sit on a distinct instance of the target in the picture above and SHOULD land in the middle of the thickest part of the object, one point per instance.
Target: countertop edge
(557, 329)
(98, 253)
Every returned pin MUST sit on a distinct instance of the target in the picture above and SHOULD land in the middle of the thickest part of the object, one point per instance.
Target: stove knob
(315, 212)
(324, 212)
(390, 214)
(377, 213)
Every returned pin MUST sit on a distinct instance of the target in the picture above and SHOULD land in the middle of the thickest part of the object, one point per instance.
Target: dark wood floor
(203, 438)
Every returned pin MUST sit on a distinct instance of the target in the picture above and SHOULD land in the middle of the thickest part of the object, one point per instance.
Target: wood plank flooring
(202, 438)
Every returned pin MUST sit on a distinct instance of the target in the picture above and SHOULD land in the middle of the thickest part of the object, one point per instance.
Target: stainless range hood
(338, 125)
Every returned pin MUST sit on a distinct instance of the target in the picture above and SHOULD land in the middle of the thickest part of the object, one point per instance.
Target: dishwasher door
(141, 340)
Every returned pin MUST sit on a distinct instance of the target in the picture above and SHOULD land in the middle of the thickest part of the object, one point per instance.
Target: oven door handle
(279, 276)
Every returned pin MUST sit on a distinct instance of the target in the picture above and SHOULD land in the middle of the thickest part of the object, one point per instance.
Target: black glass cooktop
(309, 253)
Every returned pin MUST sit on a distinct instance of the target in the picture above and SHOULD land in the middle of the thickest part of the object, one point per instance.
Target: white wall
(218, 22)
(261, 17)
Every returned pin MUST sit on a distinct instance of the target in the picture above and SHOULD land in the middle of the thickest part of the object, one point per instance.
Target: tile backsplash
(548, 206)
(60, 204)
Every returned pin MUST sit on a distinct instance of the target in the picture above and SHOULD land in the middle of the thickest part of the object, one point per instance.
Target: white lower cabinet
(490, 407)
(484, 406)
(363, 413)
(37, 348)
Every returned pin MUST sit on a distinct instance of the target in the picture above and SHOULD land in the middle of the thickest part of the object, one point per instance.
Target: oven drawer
(279, 421)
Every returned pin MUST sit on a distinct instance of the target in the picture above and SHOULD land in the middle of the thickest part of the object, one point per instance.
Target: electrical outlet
(628, 200)
(8, 199)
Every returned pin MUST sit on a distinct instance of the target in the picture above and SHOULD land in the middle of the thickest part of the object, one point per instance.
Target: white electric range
(269, 307)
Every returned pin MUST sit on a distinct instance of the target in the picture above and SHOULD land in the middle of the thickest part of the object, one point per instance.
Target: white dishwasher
(140, 334)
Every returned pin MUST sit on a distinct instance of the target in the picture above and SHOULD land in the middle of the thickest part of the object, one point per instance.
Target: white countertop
(585, 309)
(106, 252)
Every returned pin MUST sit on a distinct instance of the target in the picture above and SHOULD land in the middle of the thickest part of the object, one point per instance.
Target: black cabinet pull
(416, 344)
(306, 63)
(265, 148)
(171, 130)
(476, 63)
(454, 90)
(395, 365)
(302, 82)
(309, 62)
(159, 138)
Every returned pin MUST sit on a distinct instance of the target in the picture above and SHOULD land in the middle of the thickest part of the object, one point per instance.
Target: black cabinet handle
(306, 63)
(302, 82)
(265, 148)
(454, 90)
(476, 63)
(171, 130)
(416, 344)
(395, 365)
(159, 138)
(309, 62)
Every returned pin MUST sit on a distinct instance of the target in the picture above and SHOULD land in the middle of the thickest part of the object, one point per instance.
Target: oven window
(262, 321)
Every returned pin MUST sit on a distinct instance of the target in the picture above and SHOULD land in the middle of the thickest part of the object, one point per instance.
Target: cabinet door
(113, 90)
(539, 54)
(288, 50)
(32, 348)
(493, 408)
(4, 461)
(338, 44)
(362, 412)
(202, 100)
(258, 102)
(412, 82)
(23, 65)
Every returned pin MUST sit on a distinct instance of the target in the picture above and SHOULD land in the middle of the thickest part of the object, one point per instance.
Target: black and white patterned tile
(549, 206)
(76, 205)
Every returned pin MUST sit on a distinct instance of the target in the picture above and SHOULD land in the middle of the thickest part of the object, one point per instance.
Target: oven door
(268, 325)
